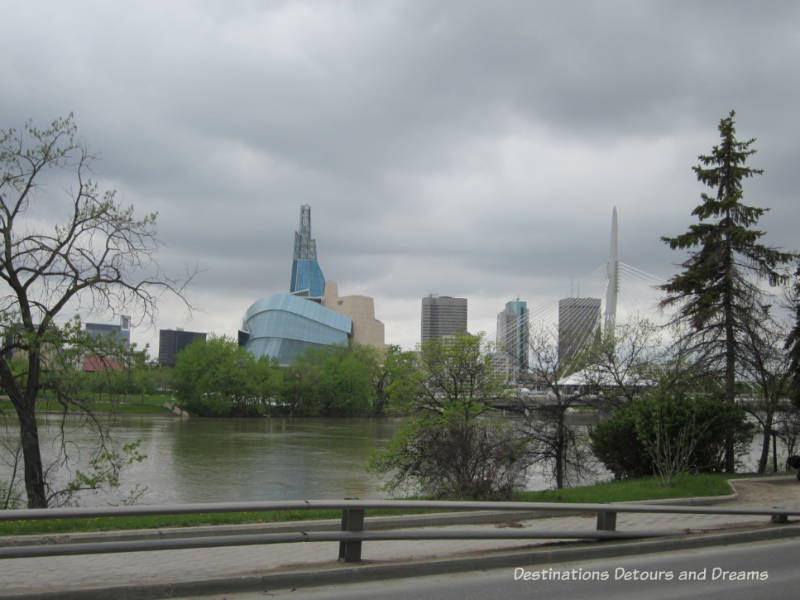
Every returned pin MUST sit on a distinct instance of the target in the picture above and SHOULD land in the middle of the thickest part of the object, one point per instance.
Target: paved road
(27, 577)
(763, 570)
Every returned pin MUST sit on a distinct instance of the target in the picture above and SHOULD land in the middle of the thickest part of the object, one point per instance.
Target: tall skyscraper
(512, 338)
(307, 277)
(578, 321)
(443, 316)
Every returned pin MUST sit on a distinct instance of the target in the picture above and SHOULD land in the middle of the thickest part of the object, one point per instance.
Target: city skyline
(477, 152)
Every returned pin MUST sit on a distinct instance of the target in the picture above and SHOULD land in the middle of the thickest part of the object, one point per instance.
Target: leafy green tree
(393, 378)
(269, 383)
(450, 447)
(217, 377)
(348, 377)
(717, 289)
(332, 381)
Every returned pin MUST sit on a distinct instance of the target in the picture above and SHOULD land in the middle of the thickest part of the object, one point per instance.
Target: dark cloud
(461, 148)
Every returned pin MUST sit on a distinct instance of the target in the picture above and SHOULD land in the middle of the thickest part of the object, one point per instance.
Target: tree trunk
(29, 436)
(774, 452)
(730, 354)
(560, 451)
(762, 461)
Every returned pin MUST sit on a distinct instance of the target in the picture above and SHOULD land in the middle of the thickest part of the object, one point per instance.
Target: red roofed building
(93, 364)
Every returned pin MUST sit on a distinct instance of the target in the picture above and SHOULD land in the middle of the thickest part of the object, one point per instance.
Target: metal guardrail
(353, 532)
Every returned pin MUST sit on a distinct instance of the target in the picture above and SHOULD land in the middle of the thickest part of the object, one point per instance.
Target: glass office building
(284, 326)
(512, 338)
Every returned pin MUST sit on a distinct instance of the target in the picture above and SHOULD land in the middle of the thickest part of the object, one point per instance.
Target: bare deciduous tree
(766, 372)
(620, 368)
(543, 414)
(76, 249)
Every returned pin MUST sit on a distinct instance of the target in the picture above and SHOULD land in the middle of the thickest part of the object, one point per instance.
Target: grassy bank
(649, 488)
(621, 491)
(118, 404)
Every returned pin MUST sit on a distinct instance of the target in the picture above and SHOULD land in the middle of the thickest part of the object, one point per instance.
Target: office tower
(512, 339)
(443, 316)
(307, 277)
(578, 320)
(172, 341)
(121, 332)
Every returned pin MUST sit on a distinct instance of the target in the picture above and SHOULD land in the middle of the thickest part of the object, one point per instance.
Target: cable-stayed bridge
(626, 292)
(614, 292)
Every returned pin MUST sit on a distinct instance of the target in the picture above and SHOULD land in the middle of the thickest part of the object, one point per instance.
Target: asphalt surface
(195, 572)
(739, 572)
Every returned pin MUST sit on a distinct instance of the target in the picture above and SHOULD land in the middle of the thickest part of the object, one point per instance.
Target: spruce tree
(793, 341)
(718, 287)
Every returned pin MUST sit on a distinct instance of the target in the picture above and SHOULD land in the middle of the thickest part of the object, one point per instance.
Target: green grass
(48, 526)
(618, 491)
(649, 488)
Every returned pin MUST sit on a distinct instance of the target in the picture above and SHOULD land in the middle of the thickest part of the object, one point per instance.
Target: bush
(451, 447)
(626, 441)
(450, 457)
(616, 444)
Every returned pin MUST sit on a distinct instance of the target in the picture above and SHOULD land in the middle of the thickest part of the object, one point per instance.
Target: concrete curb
(339, 573)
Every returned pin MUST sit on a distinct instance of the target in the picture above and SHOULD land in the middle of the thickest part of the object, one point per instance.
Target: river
(222, 460)
(219, 460)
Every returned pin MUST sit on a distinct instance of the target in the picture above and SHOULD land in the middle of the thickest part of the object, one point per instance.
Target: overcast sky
(460, 148)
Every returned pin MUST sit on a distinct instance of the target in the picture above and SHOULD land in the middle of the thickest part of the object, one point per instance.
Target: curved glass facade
(284, 326)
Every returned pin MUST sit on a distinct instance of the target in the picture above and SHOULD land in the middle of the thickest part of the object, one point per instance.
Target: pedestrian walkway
(33, 577)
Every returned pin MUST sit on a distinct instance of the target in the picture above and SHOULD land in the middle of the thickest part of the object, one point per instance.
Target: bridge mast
(612, 290)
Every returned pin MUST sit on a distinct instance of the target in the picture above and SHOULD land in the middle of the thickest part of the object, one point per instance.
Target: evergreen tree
(718, 286)
(793, 340)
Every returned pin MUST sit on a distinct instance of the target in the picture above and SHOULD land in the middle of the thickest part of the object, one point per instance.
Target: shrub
(697, 425)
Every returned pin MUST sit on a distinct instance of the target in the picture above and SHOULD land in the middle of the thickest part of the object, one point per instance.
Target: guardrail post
(352, 520)
(780, 519)
(606, 520)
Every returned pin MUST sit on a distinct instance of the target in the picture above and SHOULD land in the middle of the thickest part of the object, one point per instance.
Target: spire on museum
(305, 247)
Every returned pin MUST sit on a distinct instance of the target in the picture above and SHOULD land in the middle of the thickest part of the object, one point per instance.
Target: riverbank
(147, 404)
(619, 491)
